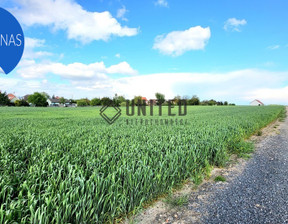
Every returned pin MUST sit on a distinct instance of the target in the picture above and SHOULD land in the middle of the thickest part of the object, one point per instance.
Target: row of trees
(37, 99)
(194, 100)
(116, 100)
(40, 99)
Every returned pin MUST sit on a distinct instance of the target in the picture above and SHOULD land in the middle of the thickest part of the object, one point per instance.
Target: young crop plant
(67, 165)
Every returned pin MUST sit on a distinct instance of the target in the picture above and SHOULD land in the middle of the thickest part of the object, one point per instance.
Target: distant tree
(72, 101)
(45, 94)
(208, 102)
(121, 99)
(38, 99)
(160, 98)
(225, 103)
(177, 99)
(204, 102)
(123, 104)
(87, 101)
(106, 101)
(117, 100)
(82, 103)
(220, 103)
(4, 100)
(62, 100)
(185, 97)
(21, 103)
(194, 100)
(138, 99)
(95, 102)
(212, 102)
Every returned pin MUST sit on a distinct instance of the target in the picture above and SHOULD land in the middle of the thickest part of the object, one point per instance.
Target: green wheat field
(68, 165)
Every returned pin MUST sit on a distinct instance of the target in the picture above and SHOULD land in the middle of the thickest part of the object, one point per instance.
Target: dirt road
(260, 193)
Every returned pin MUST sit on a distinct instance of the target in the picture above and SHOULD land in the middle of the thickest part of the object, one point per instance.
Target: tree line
(40, 99)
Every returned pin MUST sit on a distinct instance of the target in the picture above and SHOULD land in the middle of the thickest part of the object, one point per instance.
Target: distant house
(144, 100)
(25, 97)
(12, 97)
(256, 103)
(53, 102)
(152, 102)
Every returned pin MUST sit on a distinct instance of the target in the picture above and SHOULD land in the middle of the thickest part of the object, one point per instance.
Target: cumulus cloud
(162, 3)
(34, 42)
(30, 45)
(240, 86)
(121, 13)
(67, 15)
(74, 71)
(121, 68)
(234, 24)
(178, 42)
(270, 95)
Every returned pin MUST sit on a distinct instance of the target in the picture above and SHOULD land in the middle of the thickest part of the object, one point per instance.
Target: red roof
(259, 102)
(144, 98)
(11, 96)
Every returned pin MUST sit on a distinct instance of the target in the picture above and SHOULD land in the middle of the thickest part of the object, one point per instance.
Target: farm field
(67, 165)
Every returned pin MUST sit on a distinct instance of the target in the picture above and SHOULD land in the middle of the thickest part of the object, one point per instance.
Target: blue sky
(226, 50)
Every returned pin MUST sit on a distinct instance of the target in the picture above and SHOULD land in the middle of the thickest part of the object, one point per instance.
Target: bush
(105, 101)
(82, 103)
(38, 99)
(21, 103)
(123, 104)
(4, 100)
(95, 102)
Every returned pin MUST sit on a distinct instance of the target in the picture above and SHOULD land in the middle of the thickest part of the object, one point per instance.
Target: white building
(53, 102)
(256, 103)
(12, 98)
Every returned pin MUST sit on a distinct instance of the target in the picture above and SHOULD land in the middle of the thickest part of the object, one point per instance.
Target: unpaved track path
(260, 193)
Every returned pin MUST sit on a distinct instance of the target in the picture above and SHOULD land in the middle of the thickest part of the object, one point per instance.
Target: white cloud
(270, 95)
(274, 47)
(162, 3)
(30, 45)
(1, 71)
(121, 13)
(67, 15)
(178, 42)
(34, 42)
(74, 71)
(234, 24)
(240, 86)
(122, 68)
(117, 55)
